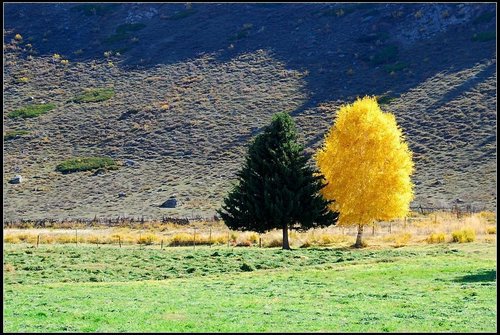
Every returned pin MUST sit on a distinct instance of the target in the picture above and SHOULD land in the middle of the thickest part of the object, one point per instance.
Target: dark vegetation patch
(385, 99)
(85, 164)
(371, 38)
(31, 111)
(12, 134)
(242, 33)
(386, 55)
(484, 36)
(95, 95)
(398, 66)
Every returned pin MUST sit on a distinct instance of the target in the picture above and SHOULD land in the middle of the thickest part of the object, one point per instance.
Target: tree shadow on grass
(482, 276)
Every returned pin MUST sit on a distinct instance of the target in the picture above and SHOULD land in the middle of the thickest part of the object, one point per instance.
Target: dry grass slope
(187, 125)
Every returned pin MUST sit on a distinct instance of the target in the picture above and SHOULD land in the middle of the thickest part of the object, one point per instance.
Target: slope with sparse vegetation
(180, 90)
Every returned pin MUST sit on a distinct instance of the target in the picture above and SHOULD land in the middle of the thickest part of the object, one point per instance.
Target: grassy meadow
(446, 287)
(396, 284)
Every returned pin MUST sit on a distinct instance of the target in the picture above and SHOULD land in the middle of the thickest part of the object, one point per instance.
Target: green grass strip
(31, 111)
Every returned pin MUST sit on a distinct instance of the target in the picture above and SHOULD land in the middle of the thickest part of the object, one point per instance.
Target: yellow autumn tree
(367, 165)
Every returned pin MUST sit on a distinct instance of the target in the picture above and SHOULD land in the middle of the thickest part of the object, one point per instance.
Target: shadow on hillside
(467, 85)
(306, 37)
(482, 276)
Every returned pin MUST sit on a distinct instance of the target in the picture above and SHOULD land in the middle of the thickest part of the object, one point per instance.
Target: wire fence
(458, 209)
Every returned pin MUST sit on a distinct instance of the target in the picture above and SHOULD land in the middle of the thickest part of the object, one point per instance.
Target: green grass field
(88, 288)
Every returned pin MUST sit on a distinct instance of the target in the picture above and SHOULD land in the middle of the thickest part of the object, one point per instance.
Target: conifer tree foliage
(276, 187)
(367, 165)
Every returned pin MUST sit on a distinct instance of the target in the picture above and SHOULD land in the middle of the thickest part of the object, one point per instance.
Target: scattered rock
(122, 195)
(459, 201)
(170, 203)
(16, 180)
(129, 162)
(99, 172)
(437, 183)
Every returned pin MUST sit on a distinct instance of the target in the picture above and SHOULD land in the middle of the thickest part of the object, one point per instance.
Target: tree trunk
(286, 246)
(359, 243)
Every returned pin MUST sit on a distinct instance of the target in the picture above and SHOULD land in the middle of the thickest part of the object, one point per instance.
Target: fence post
(390, 227)
(161, 244)
(260, 242)
(37, 240)
(228, 239)
(210, 237)
(194, 238)
(76, 236)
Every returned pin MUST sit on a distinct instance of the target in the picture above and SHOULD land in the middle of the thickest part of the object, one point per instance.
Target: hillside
(193, 83)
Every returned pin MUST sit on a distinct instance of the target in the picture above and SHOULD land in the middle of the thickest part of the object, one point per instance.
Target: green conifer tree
(277, 188)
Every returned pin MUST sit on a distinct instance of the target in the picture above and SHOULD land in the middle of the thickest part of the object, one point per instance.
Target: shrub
(94, 95)
(402, 240)
(12, 134)
(370, 38)
(484, 36)
(11, 239)
(219, 239)
(47, 239)
(399, 240)
(326, 239)
(463, 236)
(99, 239)
(28, 238)
(386, 55)
(31, 111)
(245, 267)
(147, 239)
(254, 238)
(181, 239)
(385, 99)
(275, 242)
(398, 66)
(128, 27)
(436, 238)
(85, 164)
(306, 244)
(491, 230)
(65, 238)
(242, 33)
(245, 243)
(489, 216)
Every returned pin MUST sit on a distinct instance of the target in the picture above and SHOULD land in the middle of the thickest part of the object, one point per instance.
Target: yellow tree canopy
(367, 165)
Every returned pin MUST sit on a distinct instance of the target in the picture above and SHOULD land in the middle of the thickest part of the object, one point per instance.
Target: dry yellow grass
(398, 240)
(436, 238)
(431, 228)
